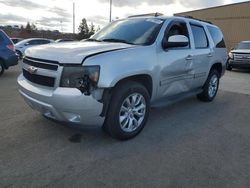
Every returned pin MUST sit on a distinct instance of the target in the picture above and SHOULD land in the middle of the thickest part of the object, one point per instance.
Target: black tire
(228, 67)
(112, 122)
(205, 96)
(20, 55)
(1, 68)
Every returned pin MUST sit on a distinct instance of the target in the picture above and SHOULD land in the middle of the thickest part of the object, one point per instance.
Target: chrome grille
(242, 57)
(45, 72)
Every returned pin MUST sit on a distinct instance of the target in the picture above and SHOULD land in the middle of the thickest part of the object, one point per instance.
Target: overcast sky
(52, 14)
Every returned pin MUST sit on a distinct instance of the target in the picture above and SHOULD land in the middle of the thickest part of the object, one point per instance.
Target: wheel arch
(144, 79)
(217, 66)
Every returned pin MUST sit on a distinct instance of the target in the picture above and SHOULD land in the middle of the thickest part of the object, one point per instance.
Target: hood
(243, 51)
(72, 52)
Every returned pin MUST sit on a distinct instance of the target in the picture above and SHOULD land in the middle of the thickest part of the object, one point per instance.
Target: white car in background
(27, 43)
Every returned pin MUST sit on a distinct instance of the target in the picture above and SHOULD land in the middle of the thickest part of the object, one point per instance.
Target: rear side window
(44, 42)
(200, 37)
(1, 36)
(217, 37)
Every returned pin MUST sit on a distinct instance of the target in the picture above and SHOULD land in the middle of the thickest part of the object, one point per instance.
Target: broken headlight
(81, 77)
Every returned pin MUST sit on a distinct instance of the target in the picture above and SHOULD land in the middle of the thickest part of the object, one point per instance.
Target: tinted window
(133, 31)
(200, 37)
(1, 37)
(217, 37)
(33, 42)
(244, 45)
(43, 41)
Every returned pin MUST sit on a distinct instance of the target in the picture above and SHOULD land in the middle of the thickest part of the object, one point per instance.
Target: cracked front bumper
(61, 104)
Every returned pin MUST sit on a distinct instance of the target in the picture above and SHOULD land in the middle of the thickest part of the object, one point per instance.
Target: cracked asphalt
(188, 144)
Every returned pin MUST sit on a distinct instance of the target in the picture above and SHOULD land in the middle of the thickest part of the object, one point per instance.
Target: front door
(176, 64)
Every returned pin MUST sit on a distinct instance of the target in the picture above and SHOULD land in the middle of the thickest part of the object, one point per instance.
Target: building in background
(233, 20)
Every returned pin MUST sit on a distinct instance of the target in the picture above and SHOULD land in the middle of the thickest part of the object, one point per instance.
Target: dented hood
(72, 52)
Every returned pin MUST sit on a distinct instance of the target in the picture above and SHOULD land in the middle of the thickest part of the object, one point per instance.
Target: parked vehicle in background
(117, 75)
(27, 43)
(16, 40)
(8, 56)
(64, 40)
(240, 56)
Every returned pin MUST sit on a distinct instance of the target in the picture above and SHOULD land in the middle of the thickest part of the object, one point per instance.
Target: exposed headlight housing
(83, 78)
(230, 55)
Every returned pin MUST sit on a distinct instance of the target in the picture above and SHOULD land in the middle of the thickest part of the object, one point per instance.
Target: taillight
(11, 47)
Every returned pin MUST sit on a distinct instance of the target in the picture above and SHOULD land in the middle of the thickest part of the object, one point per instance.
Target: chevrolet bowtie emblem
(32, 70)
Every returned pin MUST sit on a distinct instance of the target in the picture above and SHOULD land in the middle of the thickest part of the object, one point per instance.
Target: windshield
(132, 31)
(244, 45)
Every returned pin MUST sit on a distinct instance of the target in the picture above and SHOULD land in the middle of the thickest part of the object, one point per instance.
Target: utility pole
(74, 17)
(110, 15)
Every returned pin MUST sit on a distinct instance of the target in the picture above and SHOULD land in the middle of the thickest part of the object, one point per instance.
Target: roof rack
(191, 17)
(150, 14)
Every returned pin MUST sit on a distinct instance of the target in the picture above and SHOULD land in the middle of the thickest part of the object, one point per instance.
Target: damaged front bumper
(62, 104)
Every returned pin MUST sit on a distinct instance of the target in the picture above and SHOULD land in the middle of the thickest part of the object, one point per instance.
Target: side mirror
(26, 44)
(176, 41)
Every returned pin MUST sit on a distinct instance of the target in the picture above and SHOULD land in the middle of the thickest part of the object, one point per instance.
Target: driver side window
(177, 28)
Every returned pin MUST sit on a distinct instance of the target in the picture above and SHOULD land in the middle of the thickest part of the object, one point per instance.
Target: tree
(92, 30)
(98, 28)
(33, 27)
(28, 28)
(83, 30)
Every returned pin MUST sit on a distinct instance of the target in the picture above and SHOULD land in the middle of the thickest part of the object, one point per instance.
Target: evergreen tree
(28, 28)
(33, 27)
(83, 30)
(92, 30)
(98, 28)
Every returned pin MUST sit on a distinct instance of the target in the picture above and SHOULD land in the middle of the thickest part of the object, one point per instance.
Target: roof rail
(191, 17)
(150, 14)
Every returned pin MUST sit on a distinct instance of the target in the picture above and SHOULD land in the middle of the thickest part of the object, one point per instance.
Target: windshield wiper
(117, 40)
(93, 40)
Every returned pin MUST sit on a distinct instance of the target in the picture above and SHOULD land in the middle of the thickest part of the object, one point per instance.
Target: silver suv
(113, 78)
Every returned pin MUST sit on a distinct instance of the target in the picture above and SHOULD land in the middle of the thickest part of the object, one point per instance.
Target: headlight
(81, 77)
(230, 55)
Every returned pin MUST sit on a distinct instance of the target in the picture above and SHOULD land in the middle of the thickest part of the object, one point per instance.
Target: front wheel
(211, 87)
(1, 69)
(228, 67)
(128, 111)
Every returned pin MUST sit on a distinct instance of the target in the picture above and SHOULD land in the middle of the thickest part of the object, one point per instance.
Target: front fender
(121, 64)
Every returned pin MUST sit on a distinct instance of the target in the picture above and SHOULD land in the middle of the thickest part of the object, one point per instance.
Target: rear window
(200, 37)
(217, 37)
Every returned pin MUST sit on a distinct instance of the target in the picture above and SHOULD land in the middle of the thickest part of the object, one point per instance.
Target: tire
(1, 68)
(228, 67)
(121, 118)
(211, 86)
(20, 55)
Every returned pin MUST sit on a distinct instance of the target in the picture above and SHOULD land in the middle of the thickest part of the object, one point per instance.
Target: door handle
(210, 55)
(189, 57)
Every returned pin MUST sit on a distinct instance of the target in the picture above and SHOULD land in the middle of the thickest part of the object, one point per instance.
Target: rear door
(202, 54)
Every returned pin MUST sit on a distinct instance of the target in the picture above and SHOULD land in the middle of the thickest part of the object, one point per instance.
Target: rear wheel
(128, 111)
(211, 87)
(1, 68)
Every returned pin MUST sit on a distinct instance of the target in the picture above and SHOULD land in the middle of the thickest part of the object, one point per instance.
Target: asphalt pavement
(188, 144)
